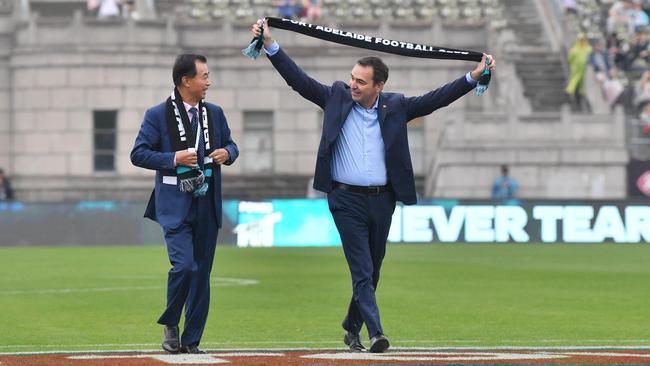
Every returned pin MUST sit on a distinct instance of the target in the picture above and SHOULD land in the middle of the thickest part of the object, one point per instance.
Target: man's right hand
(268, 41)
(186, 158)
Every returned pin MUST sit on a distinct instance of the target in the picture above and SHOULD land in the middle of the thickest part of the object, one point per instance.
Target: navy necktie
(200, 151)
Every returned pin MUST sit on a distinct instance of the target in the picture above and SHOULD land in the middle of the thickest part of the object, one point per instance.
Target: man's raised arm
(295, 77)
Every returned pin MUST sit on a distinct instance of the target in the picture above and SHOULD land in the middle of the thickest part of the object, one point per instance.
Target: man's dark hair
(379, 68)
(185, 65)
(504, 169)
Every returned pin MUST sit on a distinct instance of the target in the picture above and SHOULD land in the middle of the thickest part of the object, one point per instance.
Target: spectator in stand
(286, 8)
(642, 100)
(639, 17)
(578, 57)
(504, 187)
(645, 5)
(108, 9)
(615, 49)
(613, 87)
(620, 20)
(6, 192)
(313, 9)
(570, 7)
(599, 60)
(129, 10)
(642, 92)
(638, 55)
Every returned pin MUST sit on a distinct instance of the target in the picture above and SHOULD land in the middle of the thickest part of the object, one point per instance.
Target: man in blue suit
(186, 140)
(364, 166)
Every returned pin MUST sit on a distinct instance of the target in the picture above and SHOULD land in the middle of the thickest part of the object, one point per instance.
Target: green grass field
(87, 298)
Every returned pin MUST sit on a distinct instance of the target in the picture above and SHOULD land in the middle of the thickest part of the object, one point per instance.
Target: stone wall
(6, 39)
(573, 156)
(54, 73)
(61, 70)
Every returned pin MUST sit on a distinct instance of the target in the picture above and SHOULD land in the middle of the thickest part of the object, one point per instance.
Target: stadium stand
(537, 64)
(82, 69)
(622, 27)
(337, 11)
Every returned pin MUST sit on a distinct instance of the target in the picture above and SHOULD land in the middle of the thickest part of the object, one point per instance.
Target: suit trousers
(363, 222)
(191, 247)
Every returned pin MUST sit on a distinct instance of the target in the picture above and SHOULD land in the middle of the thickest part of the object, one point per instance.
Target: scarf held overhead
(371, 43)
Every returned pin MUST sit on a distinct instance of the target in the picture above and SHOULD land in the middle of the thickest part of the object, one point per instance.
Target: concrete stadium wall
(64, 69)
(6, 41)
(59, 70)
(573, 156)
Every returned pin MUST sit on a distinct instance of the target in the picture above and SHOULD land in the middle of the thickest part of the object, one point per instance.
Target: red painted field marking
(519, 356)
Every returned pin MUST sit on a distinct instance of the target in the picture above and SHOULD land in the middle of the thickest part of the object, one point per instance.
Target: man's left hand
(220, 156)
(476, 73)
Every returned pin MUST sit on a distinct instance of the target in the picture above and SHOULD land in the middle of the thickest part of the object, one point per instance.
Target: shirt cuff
(275, 47)
(469, 79)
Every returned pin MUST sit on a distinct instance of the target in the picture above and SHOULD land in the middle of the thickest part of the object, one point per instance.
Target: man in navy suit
(364, 166)
(185, 138)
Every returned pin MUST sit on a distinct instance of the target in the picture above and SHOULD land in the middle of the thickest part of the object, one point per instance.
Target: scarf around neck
(190, 180)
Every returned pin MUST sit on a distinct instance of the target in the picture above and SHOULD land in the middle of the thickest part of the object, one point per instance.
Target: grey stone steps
(541, 71)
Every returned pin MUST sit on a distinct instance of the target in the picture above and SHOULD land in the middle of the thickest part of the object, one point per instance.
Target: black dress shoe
(171, 342)
(354, 341)
(379, 344)
(193, 349)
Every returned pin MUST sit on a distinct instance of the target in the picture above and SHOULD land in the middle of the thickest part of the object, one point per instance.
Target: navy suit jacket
(153, 150)
(394, 111)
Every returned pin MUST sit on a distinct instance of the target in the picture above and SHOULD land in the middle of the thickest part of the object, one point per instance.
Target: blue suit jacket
(153, 150)
(394, 111)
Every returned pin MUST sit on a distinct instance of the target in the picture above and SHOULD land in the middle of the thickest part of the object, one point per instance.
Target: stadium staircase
(527, 123)
(540, 68)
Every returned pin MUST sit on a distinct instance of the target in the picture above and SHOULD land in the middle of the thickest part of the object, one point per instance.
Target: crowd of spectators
(336, 11)
(618, 32)
(309, 10)
(113, 9)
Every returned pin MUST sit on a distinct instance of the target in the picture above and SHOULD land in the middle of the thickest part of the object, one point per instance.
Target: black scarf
(190, 180)
(371, 43)
(178, 124)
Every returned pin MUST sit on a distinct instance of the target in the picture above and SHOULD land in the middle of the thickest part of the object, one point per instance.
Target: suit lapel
(382, 112)
(346, 107)
(214, 131)
(345, 110)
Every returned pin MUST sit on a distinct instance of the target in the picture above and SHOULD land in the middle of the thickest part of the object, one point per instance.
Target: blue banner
(308, 222)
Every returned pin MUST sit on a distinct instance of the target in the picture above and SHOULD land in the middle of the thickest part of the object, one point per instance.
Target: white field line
(218, 282)
(220, 354)
(156, 348)
(642, 343)
(436, 356)
(606, 354)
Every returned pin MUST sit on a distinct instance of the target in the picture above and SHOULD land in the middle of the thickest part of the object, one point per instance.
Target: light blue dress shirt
(358, 157)
(273, 49)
